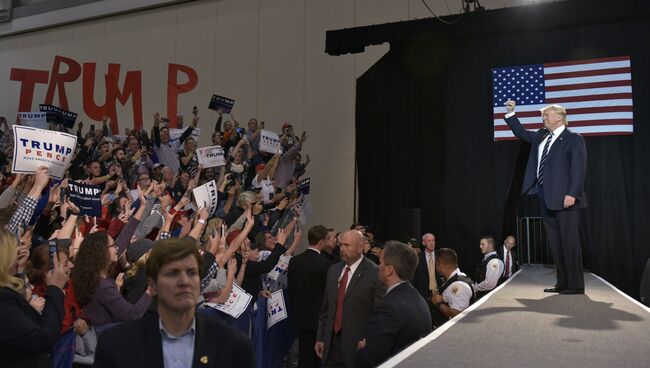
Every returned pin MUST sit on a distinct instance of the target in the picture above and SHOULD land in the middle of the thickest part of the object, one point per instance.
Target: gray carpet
(521, 326)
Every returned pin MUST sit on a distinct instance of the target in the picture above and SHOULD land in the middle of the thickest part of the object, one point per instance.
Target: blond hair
(8, 247)
(558, 110)
(137, 265)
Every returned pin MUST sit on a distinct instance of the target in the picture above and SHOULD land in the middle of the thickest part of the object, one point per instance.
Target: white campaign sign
(207, 196)
(175, 134)
(38, 147)
(33, 119)
(210, 156)
(276, 310)
(236, 304)
(269, 142)
(280, 268)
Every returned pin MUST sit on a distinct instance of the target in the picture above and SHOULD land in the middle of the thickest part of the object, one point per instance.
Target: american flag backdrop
(597, 95)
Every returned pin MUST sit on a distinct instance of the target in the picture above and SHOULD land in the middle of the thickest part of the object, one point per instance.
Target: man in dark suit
(306, 276)
(351, 294)
(176, 336)
(509, 257)
(426, 278)
(556, 170)
(403, 317)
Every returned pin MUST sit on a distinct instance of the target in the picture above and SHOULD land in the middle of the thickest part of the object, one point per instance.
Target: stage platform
(518, 325)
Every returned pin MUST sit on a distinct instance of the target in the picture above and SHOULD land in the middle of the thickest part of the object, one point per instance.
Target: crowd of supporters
(67, 274)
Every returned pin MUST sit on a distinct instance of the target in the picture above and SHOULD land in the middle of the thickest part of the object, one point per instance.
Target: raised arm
(517, 129)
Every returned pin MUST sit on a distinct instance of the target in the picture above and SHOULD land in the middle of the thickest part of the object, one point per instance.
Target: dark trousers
(335, 356)
(563, 235)
(307, 357)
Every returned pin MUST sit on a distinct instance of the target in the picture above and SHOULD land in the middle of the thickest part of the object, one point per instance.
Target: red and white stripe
(597, 95)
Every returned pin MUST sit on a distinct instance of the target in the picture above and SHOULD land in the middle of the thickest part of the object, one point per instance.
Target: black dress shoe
(572, 291)
(554, 289)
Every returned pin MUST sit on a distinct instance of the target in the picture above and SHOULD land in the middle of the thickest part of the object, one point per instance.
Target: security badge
(454, 290)
(494, 265)
(204, 359)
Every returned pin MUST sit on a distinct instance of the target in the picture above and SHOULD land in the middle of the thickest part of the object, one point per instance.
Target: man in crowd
(352, 293)
(176, 336)
(331, 250)
(166, 150)
(426, 279)
(307, 274)
(402, 317)
(508, 257)
(491, 268)
(456, 293)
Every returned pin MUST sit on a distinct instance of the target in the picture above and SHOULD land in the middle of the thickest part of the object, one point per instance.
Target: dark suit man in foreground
(352, 293)
(176, 336)
(307, 276)
(403, 317)
(556, 170)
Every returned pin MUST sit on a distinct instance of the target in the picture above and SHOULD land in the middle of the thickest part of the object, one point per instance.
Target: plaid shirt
(212, 272)
(22, 215)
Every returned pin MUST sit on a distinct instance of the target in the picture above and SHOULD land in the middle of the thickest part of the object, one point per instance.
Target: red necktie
(507, 262)
(338, 318)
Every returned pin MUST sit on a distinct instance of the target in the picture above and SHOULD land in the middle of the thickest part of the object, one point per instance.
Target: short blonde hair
(246, 198)
(558, 110)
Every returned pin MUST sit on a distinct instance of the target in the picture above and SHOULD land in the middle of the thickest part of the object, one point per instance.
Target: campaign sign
(276, 309)
(269, 142)
(220, 103)
(304, 185)
(87, 197)
(175, 134)
(206, 196)
(210, 156)
(56, 115)
(236, 304)
(33, 119)
(38, 147)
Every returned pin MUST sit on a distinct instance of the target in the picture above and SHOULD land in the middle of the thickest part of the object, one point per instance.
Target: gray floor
(521, 326)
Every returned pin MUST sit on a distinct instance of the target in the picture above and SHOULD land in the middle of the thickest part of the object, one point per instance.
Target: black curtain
(425, 137)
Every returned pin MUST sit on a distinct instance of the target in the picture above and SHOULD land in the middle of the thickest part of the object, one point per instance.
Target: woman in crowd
(27, 336)
(96, 291)
(187, 157)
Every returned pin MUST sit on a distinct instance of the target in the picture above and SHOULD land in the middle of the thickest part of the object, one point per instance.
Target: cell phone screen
(52, 251)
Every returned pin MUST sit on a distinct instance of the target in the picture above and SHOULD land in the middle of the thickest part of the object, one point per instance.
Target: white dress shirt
(540, 149)
(505, 257)
(353, 268)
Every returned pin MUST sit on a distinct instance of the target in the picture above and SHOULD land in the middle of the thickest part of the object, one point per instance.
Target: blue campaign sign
(56, 115)
(220, 103)
(304, 186)
(87, 197)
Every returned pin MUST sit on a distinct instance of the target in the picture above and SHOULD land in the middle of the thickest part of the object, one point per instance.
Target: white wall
(266, 54)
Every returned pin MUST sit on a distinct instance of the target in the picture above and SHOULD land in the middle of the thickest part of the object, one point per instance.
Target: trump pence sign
(38, 147)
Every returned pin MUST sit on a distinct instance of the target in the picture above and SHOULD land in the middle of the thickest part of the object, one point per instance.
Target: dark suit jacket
(363, 294)
(28, 337)
(421, 278)
(139, 344)
(402, 318)
(307, 276)
(513, 256)
(565, 169)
